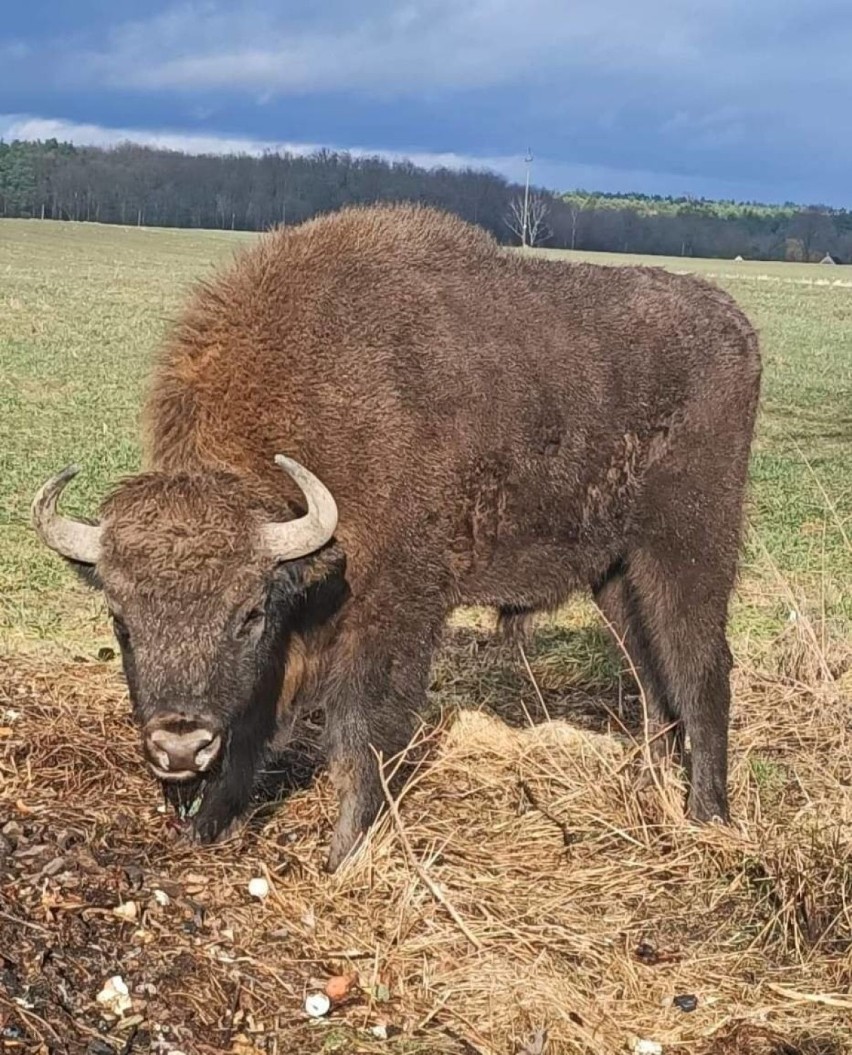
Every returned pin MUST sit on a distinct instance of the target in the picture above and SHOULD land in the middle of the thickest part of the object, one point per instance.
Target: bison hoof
(205, 832)
(343, 845)
(703, 811)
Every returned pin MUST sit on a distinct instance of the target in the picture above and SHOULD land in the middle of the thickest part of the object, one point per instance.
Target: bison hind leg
(617, 600)
(684, 607)
(514, 624)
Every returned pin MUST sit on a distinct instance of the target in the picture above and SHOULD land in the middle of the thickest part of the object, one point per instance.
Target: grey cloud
(439, 44)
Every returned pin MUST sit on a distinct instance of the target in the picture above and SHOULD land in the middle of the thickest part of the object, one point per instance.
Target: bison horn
(72, 538)
(297, 538)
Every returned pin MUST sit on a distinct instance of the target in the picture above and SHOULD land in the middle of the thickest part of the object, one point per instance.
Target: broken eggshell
(115, 996)
(317, 1005)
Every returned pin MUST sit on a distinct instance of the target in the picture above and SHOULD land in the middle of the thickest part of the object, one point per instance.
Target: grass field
(84, 306)
(553, 869)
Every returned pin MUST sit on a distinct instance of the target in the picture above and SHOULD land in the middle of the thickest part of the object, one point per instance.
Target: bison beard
(217, 801)
(495, 430)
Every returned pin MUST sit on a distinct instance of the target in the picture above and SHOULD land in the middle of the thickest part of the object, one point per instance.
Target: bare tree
(530, 224)
(815, 232)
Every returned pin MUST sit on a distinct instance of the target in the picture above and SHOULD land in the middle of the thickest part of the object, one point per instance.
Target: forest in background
(131, 184)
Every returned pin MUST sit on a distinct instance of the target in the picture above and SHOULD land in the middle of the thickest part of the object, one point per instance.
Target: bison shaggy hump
(488, 428)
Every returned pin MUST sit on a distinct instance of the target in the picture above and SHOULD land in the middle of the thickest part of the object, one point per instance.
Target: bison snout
(179, 748)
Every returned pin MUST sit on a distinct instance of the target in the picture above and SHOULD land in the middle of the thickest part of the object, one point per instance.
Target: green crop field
(533, 892)
(84, 306)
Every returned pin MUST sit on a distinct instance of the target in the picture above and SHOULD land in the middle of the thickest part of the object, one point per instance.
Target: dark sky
(722, 98)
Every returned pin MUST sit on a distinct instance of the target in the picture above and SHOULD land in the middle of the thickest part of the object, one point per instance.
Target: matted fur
(496, 430)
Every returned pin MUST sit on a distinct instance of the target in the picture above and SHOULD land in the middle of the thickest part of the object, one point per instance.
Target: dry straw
(527, 892)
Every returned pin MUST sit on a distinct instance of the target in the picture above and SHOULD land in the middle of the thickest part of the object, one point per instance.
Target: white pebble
(128, 910)
(161, 897)
(317, 1005)
(258, 887)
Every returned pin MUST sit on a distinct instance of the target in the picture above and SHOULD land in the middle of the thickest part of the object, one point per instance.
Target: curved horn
(297, 538)
(72, 538)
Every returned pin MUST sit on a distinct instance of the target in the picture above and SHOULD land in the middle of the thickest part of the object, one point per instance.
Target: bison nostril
(207, 752)
(179, 749)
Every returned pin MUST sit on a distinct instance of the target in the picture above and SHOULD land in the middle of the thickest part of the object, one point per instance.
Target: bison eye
(252, 622)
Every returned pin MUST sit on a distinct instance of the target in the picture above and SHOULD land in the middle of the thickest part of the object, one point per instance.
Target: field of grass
(82, 308)
(525, 889)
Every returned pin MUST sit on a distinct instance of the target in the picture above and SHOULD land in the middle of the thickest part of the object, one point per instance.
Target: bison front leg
(226, 794)
(375, 715)
(360, 797)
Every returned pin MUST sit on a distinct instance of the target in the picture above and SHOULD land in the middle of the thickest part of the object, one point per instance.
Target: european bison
(494, 430)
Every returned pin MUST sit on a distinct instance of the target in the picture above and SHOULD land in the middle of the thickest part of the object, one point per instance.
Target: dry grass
(525, 887)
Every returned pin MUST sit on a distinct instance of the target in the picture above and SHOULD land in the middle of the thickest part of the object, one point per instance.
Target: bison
(488, 429)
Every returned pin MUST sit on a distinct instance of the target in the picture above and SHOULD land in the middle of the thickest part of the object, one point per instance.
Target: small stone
(309, 919)
(317, 1005)
(258, 887)
(161, 898)
(379, 1031)
(686, 1002)
(127, 911)
(339, 986)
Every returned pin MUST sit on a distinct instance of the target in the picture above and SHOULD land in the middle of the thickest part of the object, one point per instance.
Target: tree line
(132, 184)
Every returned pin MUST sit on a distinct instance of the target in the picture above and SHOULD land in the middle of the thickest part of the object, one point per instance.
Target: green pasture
(82, 308)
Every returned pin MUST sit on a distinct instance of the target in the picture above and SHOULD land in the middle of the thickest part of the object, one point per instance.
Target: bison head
(205, 580)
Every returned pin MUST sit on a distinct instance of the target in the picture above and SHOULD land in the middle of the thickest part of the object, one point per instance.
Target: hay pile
(525, 897)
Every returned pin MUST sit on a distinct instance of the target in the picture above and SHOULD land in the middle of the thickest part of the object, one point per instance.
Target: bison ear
(88, 573)
(312, 587)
